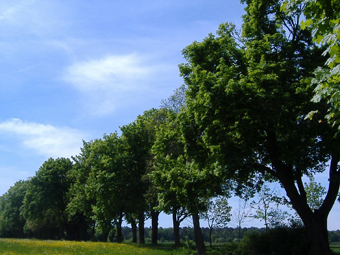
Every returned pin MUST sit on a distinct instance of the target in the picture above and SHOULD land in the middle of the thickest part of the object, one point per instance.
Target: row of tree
(111, 178)
(257, 108)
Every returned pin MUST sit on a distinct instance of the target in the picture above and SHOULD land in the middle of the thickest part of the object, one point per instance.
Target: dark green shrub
(278, 241)
(230, 248)
(111, 236)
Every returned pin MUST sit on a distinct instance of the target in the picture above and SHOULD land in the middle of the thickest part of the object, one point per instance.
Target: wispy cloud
(108, 81)
(8, 12)
(45, 140)
(111, 72)
(37, 17)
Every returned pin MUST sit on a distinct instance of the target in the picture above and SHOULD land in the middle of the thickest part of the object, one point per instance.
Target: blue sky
(74, 70)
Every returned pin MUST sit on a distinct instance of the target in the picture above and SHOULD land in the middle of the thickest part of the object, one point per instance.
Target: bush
(278, 241)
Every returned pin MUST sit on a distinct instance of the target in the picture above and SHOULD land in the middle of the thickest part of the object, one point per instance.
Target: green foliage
(106, 182)
(183, 180)
(323, 17)
(139, 137)
(218, 212)
(79, 208)
(315, 194)
(46, 198)
(249, 97)
(11, 221)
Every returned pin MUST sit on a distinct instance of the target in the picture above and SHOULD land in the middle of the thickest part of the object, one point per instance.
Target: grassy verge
(38, 247)
(335, 249)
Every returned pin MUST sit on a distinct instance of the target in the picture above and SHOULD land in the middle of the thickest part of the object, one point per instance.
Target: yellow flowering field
(37, 247)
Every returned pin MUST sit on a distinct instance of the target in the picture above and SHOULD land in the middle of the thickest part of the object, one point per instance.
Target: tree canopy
(250, 96)
(323, 17)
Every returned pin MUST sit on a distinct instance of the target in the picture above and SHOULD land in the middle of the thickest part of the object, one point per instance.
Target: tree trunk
(176, 227)
(106, 236)
(319, 236)
(315, 222)
(93, 232)
(198, 234)
(291, 179)
(61, 226)
(119, 228)
(210, 233)
(154, 227)
(141, 228)
(134, 230)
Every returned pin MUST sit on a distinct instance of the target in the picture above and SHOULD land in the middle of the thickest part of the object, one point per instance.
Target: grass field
(38, 247)
(335, 248)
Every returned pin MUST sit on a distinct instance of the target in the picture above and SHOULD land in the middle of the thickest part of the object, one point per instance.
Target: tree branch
(264, 169)
(301, 187)
(333, 188)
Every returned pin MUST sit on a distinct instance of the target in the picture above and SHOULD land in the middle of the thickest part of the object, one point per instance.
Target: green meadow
(335, 248)
(37, 247)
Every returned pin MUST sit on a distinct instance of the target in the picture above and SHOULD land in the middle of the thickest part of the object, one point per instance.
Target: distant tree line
(113, 179)
(260, 105)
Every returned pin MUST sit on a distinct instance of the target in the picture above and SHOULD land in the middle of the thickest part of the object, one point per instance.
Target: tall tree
(183, 182)
(46, 199)
(139, 137)
(11, 221)
(137, 141)
(108, 183)
(241, 215)
(266, 208)
(217, 214)
(79, 208)
(250, 100)
(165, 135)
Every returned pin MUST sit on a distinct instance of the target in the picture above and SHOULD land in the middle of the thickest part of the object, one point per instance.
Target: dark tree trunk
(319, 236)
(92, 232)
(141, 228)
(61, 226)
(198, 234)
(119, 228)
(315, 222)
(154, 227)
(134, 230)
(210, 234)
(61, 233)
(176, 227)
(106, 236)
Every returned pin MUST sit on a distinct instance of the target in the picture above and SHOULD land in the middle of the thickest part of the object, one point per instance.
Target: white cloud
(109, 73)
(45, 140)
(110, 81)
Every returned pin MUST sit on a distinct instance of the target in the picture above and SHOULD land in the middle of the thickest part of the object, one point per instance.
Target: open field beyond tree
(31, 246)
(27, 246)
